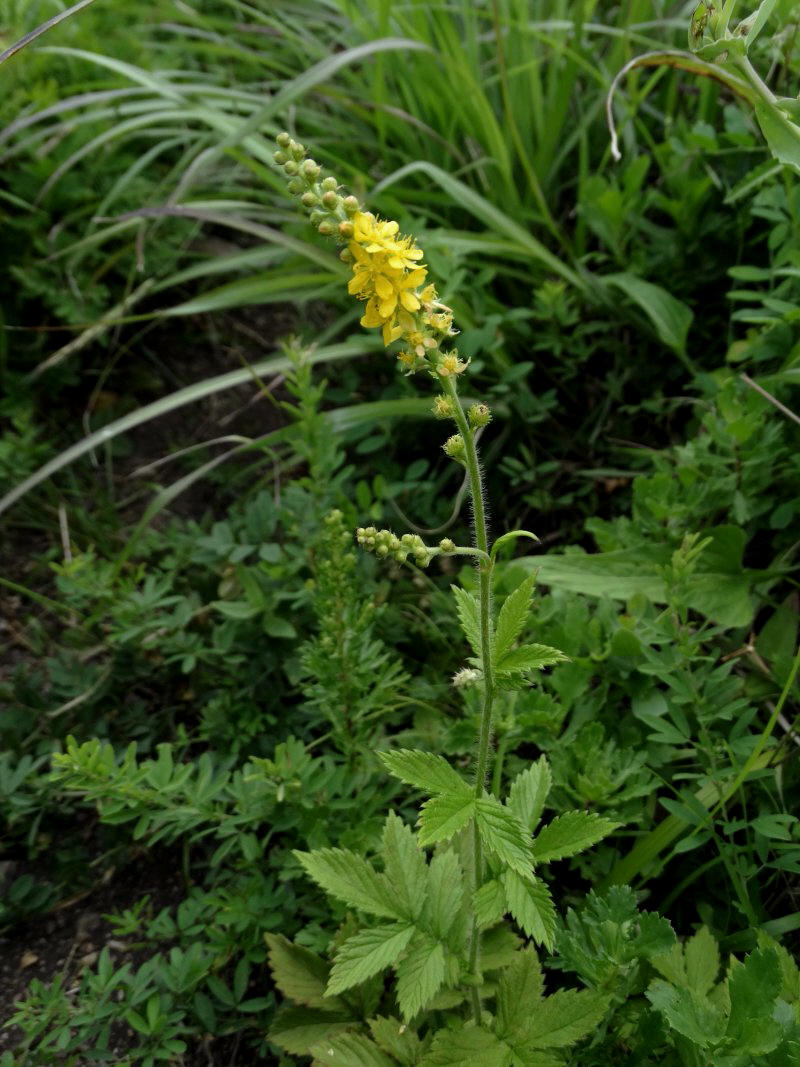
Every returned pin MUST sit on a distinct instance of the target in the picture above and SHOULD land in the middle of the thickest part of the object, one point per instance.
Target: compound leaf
(420, 975)
(529, 791)
(367, 953)
(443, 816)
(512, 618)
(530, 903)
(520, 987)
(467, 607)
(569, 834)
(405, 869)
(423, 770)
(503, 833)
(348, 877)
(565, 1017)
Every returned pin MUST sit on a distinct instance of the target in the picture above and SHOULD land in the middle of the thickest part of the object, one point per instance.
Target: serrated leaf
(512, 618)
(299, 973)
(655, 936)
(350, 1050)
(490, 903)
(565, 1017)
(503, 834)
(297, 1029)
(569, 834)
(701, 961)
(471, 1046)
(529, 658)
(367, 953)
(753, 988)
(531, 905)
(518, 991)
(348, 877)
(443, 816)
(467, 607)
(444, 893)
(396, 1039)
(529, 791)
(423, 770)
(420, 975)
(404, 865)
(691, 1015)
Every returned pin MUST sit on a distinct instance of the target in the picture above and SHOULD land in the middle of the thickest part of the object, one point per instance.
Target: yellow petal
(409, 301)
(383, 287)
(386, 307)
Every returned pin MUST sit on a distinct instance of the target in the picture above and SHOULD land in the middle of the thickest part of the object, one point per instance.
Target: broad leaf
(781, 134)
(297, 1029)
(396, 1039)
(529, 658)
(490, 903)
(518, 992)
(512, 618)
(565, 1017)
(569, 834)
(508, 538)
(349, 878)
(504, 834)
(423, 770)
(443, 816)
(299, 973)
(753, 988)
(444, 894)
(701, 960)
(470, 1047)
(529, 791)
(690, 1014)
(350, 1050)
(367, 953)
(420, 975)
(405, 869)
(530, 903)
(467, 607)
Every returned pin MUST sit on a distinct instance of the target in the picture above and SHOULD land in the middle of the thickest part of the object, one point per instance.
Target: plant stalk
(484, 604)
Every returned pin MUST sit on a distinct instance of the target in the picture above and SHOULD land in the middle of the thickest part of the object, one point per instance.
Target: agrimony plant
(466, 988)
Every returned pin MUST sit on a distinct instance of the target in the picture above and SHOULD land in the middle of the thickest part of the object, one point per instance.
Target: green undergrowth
(208, 669)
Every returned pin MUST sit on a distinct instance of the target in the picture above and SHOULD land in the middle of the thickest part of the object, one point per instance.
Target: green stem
(484, 602)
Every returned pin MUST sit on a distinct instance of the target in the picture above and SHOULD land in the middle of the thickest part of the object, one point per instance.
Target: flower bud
(316, 217)
(351, 205)
(283, 139)
(311, 169)
(309, 199)
(297, 150)
(454, 448)
(280, 158)
(346, 256)
(346, 231)
(296, 186)
(447, 545)
(330, 200)
(291, 167)
(326, 228)
(329, 184)
(443, 407)
(479, 415)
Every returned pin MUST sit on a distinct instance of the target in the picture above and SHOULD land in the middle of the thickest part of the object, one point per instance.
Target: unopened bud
(325, 228)
(330, 200)
(309, 199)
(447, 545)
(351, 205)
(454, 447)
(283, 139)
(479, 415)
(280, 158)
(329, 184)
(346, 231)
(298, 150)
(291, 167)
(311, 169)
(296, 186)
(345, 255)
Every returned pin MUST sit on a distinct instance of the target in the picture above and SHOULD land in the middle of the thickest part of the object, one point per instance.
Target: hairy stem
(484, 602)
